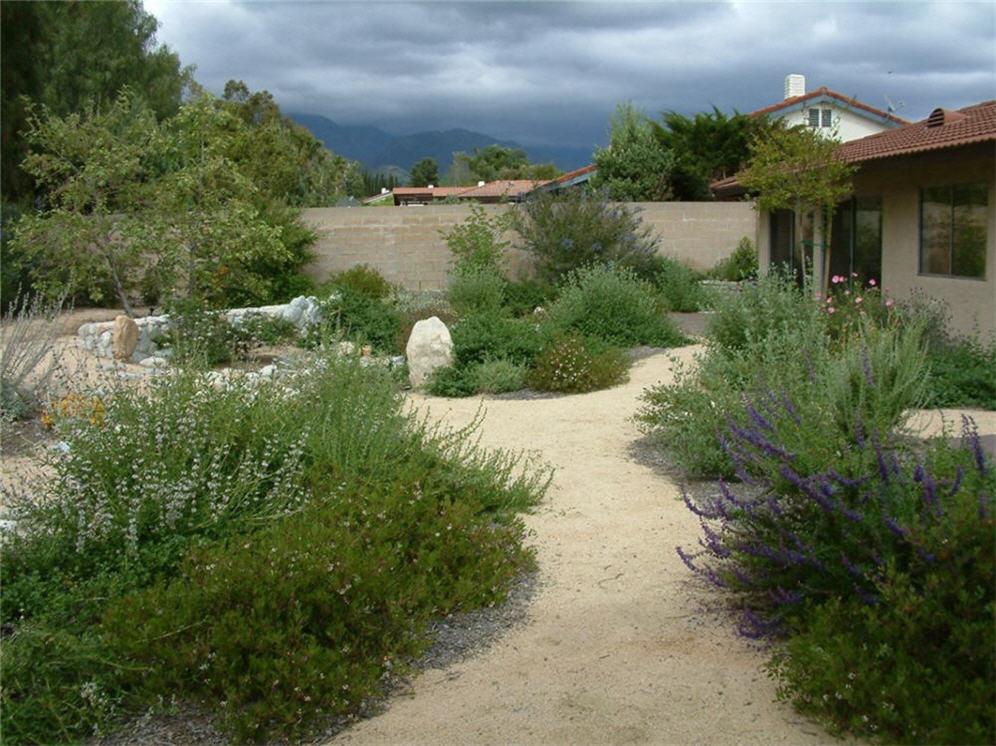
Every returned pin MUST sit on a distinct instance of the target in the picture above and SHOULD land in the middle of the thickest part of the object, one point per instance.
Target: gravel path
(618, 646)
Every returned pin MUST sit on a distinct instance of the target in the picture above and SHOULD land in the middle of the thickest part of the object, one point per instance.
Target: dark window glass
(814, 117)
(827, 117)
(953, 230)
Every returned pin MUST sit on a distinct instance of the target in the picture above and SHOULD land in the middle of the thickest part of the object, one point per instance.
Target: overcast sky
(553, 72)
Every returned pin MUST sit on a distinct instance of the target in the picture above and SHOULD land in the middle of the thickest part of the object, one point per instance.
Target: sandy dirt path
(617, 648)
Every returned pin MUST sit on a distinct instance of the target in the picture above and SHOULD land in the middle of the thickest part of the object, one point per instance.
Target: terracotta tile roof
(942, 129)
(824, 92)
(502, 188)
(575, 173)
(435, 192)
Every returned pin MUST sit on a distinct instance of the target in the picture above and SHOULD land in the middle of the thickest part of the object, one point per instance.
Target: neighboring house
(576, 178)
(491, 192)
(828, 112)
(923, 214)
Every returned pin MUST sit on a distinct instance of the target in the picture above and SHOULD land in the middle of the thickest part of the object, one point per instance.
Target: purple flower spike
(894, 527)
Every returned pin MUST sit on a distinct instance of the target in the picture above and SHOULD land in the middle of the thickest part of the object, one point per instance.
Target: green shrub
(305, 618)
(363, 279)
(483, 337)
(203, 336)
(677, 282)
(919, 664)
(358, 317)
(523, 297)
(962, 373)
(571, 364)
(476, 290)
(610, 303)
(452, 381)
(738, 266)
(575, 228)
(185, 475)
(261, 329)
(499, 376)
(477, 242)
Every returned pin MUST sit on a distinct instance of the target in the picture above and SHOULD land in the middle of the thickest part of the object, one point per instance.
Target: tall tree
(635, 166)
(425, 172)
(495, 162)
(705, 147)
(71, 55)
(798, 169)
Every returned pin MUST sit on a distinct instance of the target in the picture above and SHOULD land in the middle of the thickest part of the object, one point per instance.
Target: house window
(820, 118)
(953, 230)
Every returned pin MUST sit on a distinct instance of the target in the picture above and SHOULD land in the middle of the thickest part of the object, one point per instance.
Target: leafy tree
(71, 55)
(425, 172)
(798, 169)
(706, 147)
(374, 181)
(495, 162)
(635, 166)
(144, 209)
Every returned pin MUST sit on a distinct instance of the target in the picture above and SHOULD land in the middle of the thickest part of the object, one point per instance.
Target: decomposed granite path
(617, 647)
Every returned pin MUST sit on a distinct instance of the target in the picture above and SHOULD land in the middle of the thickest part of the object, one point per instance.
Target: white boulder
(429, 347)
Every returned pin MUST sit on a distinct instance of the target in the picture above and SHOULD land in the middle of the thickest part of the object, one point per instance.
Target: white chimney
(480, 183)
(795, 85)
(430, 186)
(383, 190)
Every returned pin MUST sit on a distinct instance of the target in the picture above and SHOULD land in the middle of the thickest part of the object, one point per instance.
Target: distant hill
(378, 150)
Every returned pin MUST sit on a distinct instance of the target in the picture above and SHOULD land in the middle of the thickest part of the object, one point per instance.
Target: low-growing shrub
(345, 588)
(202, 336)
(677, 282)
(483, 337)
(739, 266)
(611, 303)
(572, 364)
(477, 242)
(962, 373)
(185, 479)
(363, 279)
(357, 317)
(523, 297)
(476, 290)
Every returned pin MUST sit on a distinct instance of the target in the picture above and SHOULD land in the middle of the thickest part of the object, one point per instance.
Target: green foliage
(634, 166)
(359, 317)
(677, 282)
(203, 337)
(136, 576)
(483, 337)
(739, 266)
(425, 172)
(73, 56)
(476, 291)
(572, 364)
(345, 589)
(364, 279)
(569, 230)
(798, 169)
(774, 336)
(488, 377)
(523, 297)
(962, 373)
(478, 241)
(705, 148)
(612, 304)
(498, 162)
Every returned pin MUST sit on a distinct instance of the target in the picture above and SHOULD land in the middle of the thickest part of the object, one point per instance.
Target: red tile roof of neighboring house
(436, 192)
(575, 173)
(502, 188)
(942, 129)
(852, 103)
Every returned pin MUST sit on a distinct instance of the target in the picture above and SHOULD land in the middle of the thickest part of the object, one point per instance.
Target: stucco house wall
(899, 181)
(845, 124)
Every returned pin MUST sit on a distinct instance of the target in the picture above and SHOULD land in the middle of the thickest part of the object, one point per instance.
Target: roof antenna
(892, 108)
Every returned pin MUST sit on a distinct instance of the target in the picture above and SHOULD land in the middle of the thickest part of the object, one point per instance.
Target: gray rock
(154, 361)
(429, 347)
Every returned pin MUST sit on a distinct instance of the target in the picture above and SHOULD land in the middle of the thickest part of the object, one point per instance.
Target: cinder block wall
(406, 243)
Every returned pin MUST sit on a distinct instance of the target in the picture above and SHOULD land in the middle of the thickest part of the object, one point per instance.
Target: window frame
(952, 234)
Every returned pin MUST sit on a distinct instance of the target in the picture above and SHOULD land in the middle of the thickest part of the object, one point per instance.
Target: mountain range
(379, 151)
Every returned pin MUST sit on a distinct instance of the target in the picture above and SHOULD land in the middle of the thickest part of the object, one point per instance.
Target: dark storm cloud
(554, 71)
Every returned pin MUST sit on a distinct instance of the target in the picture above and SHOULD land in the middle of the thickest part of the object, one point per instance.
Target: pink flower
(819, 295)
(854, 274)
(889, 302)
(829, 299)
(847, 292)
(857, 300)
(831, 309)
(872, 282)
(836, 278)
